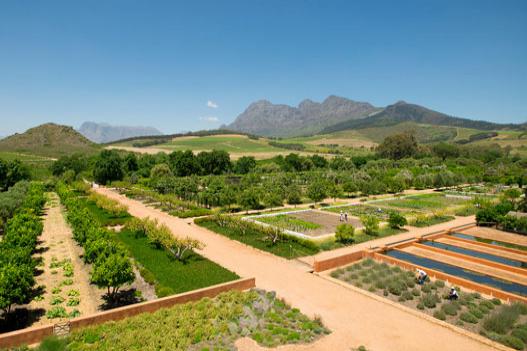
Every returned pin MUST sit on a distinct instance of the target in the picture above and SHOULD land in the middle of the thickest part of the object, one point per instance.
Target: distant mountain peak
(265, 118)
(105, 133)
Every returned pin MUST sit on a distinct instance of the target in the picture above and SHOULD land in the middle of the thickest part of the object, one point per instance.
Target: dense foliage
(17, 245)
(505, 214)
(12, 172)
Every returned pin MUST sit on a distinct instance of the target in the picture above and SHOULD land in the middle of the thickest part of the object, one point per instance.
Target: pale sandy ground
(472, 266)
(354, 318)
(475, 247)
(57, 239)
(494, 234)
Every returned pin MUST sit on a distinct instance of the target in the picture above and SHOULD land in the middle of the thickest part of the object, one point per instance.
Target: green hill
(50, 140)
(403, 112)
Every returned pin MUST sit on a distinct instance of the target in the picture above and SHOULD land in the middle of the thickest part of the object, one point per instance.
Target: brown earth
(355, 319)
(494, 234)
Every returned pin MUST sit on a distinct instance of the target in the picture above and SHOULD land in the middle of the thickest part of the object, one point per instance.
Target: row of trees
(17, 265)
(111, 266)
(161, 237)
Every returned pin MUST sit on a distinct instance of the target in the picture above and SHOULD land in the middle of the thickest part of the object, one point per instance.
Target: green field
(38, 166)
(424, 202)
(170, 275)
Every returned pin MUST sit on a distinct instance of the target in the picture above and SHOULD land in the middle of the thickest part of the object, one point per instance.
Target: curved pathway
(354, 318)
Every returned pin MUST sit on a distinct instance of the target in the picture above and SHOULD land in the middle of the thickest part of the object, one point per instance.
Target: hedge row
(111, 265)
(17, 266)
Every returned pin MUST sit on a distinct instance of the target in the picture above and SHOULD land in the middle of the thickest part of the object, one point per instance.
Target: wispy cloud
(212, 104)
(210, 119)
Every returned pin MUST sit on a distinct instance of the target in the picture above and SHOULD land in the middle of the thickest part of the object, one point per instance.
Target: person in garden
(421, 276)
(341, 216)
(453, 295)
(346, 216)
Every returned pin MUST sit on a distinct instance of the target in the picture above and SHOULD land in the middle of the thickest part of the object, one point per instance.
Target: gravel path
(354, 318)
(57, 242)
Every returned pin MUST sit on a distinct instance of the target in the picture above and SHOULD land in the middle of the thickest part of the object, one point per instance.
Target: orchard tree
(249, 199)
(317, 190)
(108, 167)
(244, 165)
(273, 199)
(130, 163)
(183, 163)
(294, 195)
(445, 150)
(12, 172)
(334, 191)
(112, 272)
(16, 284)
(398, 146)
(159, 171)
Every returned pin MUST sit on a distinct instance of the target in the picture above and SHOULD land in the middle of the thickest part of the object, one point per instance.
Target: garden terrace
(503, 323)
(202, 325)
(423, 202)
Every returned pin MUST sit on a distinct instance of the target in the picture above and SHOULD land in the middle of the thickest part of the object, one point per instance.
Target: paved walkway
(355, 319)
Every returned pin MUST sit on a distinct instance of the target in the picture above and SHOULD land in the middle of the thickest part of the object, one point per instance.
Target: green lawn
(287, 249)
(173, 276)
(288, 222)
(105, 218)
(424, 202)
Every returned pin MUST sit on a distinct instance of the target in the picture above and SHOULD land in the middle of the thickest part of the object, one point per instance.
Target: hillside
(267, 119)
(50, 140)
(403, 112)
(105, 133)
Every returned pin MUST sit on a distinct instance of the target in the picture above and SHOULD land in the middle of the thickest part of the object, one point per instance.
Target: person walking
(341, 216)
(346, 216)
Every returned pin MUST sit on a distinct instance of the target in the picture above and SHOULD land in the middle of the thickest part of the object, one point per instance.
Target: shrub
(344, 233)
(503, 319)
(440, 315)
(476, 312)
(439, 283)
(430, 300)
(496, 301)
(420, 306)
(512, 341)
(407, 295)
(396, 287)
(53, 343)
(451, 308)
(56, 300)
(416, 292)
(370, 223)
(520, 333)
(426, 288)
(468, 317)
(397, 220)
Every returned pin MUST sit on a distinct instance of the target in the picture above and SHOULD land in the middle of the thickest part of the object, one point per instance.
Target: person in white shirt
(421, 276)
(453, 294)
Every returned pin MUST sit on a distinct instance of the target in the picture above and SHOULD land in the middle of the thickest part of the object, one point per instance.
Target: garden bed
(288, 247)
(168, 275)
(203, 325)
(503, 323)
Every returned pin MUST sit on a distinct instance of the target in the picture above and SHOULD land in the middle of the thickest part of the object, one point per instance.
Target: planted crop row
(17, 266)
(111, 266)
(502, 323)
(113, 207)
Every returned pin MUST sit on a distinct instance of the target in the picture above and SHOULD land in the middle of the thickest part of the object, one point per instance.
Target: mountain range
(105, 133)
(337, 113)
(267, 119)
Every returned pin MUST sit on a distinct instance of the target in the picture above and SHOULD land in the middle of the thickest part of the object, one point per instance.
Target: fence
(36, 334)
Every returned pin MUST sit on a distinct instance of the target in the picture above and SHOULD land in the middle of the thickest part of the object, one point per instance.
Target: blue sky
(159, 63)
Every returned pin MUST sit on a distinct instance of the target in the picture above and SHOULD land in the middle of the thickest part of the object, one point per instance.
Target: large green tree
(108, 167)
(112, 272)
(398, 146)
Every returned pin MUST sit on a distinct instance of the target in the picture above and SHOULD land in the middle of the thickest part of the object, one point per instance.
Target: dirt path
(56, 243)
(355, 319)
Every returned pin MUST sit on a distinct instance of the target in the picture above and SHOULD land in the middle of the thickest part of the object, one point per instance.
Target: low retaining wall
(484, 289)
(36, 334)
(324, 265)
(482, 244)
